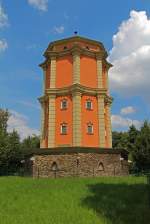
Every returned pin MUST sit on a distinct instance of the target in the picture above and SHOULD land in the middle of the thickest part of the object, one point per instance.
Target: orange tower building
(76, 102)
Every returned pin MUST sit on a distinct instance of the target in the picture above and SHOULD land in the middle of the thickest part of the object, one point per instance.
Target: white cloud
(128, 110)
(3, 45)
(59, 30)
(39, 4)
(130, 56)
(19, 123)
(3, 17)
(119, 122)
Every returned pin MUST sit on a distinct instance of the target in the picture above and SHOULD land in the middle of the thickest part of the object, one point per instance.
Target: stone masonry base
(73, 162)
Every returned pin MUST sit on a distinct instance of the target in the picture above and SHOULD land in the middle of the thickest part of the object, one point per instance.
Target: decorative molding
(53, 72)
(75, 48)
(75, 39)
(76, 119)
(108, 126)
(101, 54)
(42, 123)
(51, 122)
(76, 67)
(99, 73)
(107, 64)
(44, 80)
(76, 87)
(102, 142)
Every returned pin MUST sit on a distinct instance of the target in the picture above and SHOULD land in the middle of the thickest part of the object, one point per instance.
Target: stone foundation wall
(79, 164)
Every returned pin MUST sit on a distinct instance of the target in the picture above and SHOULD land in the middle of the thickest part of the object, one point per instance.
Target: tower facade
(76, 103)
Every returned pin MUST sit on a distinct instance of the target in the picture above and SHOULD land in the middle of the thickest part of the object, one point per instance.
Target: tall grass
(105, 200)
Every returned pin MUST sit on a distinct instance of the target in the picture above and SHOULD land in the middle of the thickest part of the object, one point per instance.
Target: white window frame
(91, 107)
(61, 129)
(90, 125)
(62, 106)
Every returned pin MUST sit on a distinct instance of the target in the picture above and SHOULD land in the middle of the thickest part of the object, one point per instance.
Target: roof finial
(75, 32)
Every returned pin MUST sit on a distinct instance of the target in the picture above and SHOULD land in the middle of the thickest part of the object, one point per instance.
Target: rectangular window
(64, 104)
(63, 129)
(90, 128)
(89, 105)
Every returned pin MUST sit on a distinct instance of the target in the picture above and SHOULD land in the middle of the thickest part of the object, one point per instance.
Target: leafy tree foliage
(137, 143)
(141, 152)
(4, 145)
(132, 136)
(4, 115)
(12, 150)
(31, 142)
(120, 139)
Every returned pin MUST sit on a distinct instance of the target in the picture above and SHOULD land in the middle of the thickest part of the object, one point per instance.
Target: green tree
(31, 142)
(141, 152)
(120, 139)
(4, 146)
(10, 153)
(132, 136)
(14, 153)
(4, 116)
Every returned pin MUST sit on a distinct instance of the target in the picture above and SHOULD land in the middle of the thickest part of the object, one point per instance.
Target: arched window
(63, 129)
(89, 128)
(100, 166)
(54, 166)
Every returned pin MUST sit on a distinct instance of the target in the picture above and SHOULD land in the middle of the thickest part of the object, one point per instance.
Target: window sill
(63, 109)
(89, 109)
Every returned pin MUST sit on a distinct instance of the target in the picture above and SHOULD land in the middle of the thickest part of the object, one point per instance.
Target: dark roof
(75, 38)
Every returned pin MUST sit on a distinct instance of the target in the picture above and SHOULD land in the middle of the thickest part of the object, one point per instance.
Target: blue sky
(26, 28)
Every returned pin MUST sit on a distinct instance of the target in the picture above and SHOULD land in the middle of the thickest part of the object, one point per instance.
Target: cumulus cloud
(127, 110)
(119, 122)
(59, 29)
(3, 17)
(130, 56)
(19, 123)
(39, 4)
(3, 45)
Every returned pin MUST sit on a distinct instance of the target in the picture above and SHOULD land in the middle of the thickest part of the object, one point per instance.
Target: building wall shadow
(119, 203)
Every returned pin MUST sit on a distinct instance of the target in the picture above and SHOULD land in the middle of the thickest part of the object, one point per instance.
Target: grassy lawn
(103, 200)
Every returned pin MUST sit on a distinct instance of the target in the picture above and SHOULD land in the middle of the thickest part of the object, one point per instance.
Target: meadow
(105, 200)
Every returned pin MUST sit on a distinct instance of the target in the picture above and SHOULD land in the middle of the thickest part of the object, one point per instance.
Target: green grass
(103, 200)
